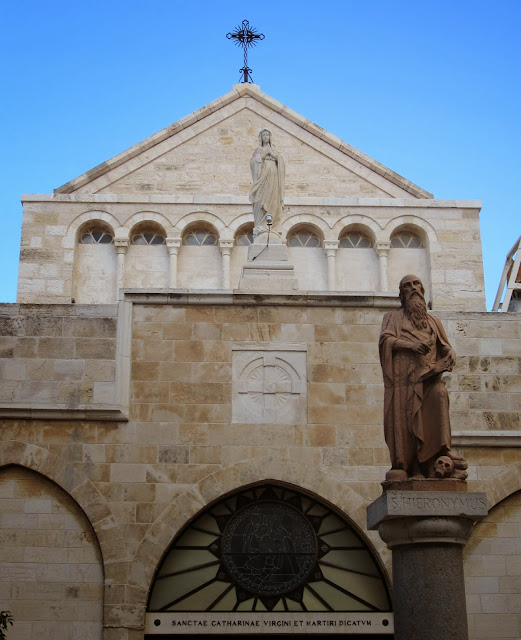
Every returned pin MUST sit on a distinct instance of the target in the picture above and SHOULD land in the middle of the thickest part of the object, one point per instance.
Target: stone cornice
(109, 198)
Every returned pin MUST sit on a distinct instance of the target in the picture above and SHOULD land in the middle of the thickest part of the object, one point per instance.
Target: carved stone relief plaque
(269, 382)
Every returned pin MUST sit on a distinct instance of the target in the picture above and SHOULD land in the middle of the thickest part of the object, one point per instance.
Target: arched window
(269, 548)
(145, 237)
(96, 235)
(303, 238)
(244, 238)
(200, 237)
(355, 240)
(406, 240)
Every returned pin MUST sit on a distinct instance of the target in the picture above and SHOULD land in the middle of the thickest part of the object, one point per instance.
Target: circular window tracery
(96, 236)
(244, 239)
(303, 238)
(148, 237)
(355, 240)
(406, 240)
(199, 238)
(269, 548)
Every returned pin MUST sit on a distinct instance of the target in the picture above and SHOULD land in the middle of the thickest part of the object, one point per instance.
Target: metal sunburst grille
(269, 548)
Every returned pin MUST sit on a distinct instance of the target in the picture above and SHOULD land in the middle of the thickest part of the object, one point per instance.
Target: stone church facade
(163, 424)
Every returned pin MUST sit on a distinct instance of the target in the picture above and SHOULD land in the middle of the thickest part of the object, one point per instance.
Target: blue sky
(430, 89)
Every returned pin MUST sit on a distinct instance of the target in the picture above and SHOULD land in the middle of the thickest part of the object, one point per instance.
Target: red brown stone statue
(414, 352)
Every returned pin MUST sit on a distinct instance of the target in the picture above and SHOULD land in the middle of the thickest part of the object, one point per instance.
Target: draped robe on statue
(416, 402)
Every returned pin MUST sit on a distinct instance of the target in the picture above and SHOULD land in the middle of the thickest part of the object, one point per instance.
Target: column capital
(330, 247)
(226, 246)
(382, 248)
(121, 245)
(173, 244)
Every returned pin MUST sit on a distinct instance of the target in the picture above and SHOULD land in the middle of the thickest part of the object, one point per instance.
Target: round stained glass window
(269, 548)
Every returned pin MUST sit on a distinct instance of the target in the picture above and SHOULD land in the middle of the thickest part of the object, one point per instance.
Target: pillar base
(426, 532)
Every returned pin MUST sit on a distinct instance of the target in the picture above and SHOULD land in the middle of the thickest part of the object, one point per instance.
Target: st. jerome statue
(414, 353)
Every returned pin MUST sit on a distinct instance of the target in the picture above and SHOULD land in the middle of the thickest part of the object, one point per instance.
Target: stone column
(226, 250)
(121, 245)
(382, 249)
(173, 244)
(426, 532)
(331, 248)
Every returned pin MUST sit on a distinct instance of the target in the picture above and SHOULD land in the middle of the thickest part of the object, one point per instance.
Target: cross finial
(245, 36)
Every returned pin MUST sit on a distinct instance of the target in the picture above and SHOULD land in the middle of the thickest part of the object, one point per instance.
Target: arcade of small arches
(199, 255)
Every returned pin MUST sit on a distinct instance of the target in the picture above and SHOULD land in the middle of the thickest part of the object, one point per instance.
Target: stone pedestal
(268, 267)
(426, 532)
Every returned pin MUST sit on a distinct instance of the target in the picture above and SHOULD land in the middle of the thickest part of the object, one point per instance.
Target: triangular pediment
(208, 153)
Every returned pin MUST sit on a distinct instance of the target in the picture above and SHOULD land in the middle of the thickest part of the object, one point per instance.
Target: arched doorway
(272, 560)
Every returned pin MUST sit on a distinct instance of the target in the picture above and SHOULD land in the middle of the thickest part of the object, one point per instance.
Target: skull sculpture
(443, 467)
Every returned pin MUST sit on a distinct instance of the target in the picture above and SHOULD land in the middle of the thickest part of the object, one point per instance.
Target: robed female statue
(267, 191)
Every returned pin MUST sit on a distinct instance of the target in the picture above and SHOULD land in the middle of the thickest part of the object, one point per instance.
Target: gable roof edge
(238, 91)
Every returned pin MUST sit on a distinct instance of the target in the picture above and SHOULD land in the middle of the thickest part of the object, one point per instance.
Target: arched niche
(94, 264)
(356, 260)
(147, 262)
(199, 263)
(243, 238)
(50, 559)
(268, 547)
(409, 254)
(306, 253)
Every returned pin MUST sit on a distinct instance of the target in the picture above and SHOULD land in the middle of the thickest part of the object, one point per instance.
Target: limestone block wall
(306, 366)
(493, 573)
(57, 357)
(53, 265)
(485, 386)
(51, 573)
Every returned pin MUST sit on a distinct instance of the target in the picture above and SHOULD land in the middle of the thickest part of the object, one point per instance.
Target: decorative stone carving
(267, 191)
(414, 352)
(269, 383)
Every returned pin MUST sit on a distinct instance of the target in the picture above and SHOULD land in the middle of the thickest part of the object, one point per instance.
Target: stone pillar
(173, 244)
(382, 249)
(426, 532)
(121, 245)
(226, 250)
(331, 248)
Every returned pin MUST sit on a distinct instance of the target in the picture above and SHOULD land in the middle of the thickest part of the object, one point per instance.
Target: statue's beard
(416, 310)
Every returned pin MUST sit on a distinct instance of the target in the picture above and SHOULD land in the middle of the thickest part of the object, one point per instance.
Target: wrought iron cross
(245, 36)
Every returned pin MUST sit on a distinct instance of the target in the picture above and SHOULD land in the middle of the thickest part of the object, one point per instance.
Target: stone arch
(75, 484)
(268, 468)
(502, 485)
(150, 216)
(372, 227)
(200, 216)
(50, 550)
(424, 229)
(306, 219)
(69, 240)
(239, 221)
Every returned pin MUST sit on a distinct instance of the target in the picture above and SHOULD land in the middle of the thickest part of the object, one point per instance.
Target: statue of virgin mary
(267, 191)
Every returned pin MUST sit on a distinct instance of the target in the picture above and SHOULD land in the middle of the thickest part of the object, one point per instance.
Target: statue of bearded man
(414, 352)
